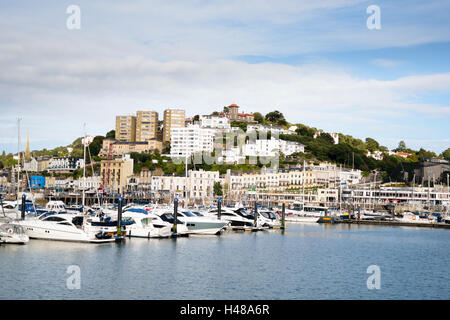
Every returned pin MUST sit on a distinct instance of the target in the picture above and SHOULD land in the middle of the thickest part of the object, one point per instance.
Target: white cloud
(181, 54)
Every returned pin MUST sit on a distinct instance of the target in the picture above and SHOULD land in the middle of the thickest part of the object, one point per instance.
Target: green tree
(218, 189)
(446, 154)
(111, 134)
(276, 117)
(372, 145)
(196, 118)
(401, 146)
(239, 124)
(258, 117)
(96, 145)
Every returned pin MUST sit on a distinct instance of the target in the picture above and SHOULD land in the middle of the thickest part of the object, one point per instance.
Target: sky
(317, 62)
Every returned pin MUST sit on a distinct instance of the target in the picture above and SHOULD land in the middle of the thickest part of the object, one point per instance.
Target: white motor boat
(304, 214)
(146, 225)
(13, 233)
(237, 218)
(410, 217)
(269, 219)
(66, 227)
(200, 224)
(164, 218)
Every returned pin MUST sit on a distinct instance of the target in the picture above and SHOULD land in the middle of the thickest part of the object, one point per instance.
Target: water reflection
(304, 262)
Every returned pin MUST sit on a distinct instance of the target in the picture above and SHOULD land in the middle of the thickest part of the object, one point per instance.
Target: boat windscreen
(168, 217)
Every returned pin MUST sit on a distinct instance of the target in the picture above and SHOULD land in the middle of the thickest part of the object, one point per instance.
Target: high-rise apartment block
(139, 128)
(173, 118)
(126, 128)
(146, 125)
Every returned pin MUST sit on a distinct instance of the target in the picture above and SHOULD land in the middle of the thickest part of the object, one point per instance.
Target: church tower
(27, 150)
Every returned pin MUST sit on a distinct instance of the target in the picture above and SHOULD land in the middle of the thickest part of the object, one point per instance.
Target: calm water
(306, 262)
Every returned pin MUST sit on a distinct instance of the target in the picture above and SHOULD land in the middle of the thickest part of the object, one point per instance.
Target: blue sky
(315, 61)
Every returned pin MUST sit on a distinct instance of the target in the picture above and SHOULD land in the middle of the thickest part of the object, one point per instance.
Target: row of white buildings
(66, 164)
(200, 184)
(213, 133)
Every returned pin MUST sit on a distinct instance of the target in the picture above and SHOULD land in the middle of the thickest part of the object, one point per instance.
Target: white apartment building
(188, 140)
(88, 184)
(31, 165)
(270, 148)
(65, 164)
(214, 122)
(327, 173)
(273, 129)
(199, 184)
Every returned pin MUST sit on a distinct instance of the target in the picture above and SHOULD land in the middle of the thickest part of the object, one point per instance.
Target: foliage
(372, 145)
(218, 189)
(239, 124)
(276, 117)
(111, 134)
(258, 117)
(446, 154)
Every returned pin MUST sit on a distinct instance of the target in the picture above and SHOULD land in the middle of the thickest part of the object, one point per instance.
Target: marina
(306, 261)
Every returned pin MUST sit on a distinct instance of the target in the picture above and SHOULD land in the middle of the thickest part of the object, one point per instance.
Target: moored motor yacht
(145, 225)
(161, 217)
(66, 227)
(199, 224)
(305, 214)
(269, 219)
(235, 217)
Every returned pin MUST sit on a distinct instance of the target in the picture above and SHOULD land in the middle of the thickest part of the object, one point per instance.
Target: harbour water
(307, 261)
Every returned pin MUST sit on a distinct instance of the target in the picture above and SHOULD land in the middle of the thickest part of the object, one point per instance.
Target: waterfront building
(66, 164)
(126, 128)
(197, 185)
(89, 183)
(59, 183)
(115, 172)
(119, 148)
(385, 195)
(268, 180)
(327, 173)
(37, 182)
(146, 125)
(431, 169)
(173, 118)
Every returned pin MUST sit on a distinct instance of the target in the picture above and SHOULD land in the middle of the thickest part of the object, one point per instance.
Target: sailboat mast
(303, 183)
(186, 182)
(18, 159)
(84, 167)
